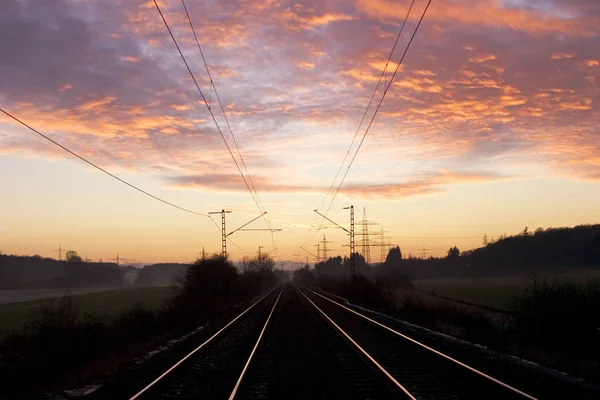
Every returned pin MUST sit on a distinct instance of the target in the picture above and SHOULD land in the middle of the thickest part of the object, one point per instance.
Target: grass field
(491, 292)
(109, 303)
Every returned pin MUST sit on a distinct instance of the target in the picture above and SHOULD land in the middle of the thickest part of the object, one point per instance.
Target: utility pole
(223, 231)
(385, 246)
(365, 239)
(424, 251)
(318, 245)
(59, 252)
(115, 259)
(259, 255)
(352, 250)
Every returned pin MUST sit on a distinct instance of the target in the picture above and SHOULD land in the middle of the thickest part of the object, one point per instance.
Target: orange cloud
(486, 13)
(560, 56)
(306, 65)
(592, 63)
(482, 58)
(424, 185)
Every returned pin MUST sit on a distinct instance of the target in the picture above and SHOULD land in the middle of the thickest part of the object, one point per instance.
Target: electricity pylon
(324, 248)
(59, 252)
(384, 243)
(366, 245)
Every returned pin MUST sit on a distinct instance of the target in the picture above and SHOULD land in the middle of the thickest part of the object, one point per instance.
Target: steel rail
(359, 348)
(155, 381)
(239, 381)
(455, 361)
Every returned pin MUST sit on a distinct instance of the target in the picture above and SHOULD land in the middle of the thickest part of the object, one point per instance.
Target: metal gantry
(224, 233)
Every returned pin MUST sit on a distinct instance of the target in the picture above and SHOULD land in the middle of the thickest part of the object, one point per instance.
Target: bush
(560, 314)
(60, 340)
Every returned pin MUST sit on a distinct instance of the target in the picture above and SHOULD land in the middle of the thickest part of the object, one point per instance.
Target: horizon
(490, 126)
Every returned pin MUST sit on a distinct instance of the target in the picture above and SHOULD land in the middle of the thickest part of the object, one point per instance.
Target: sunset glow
(491, 125)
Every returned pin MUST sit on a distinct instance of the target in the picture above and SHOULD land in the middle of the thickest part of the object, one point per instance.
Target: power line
(223, 110)
(228, 238)
(370, 102)
(203, 97)
(381, 101)
(252, 194)
(369, 106)
(100, 168)
(255, 196)
(495, 224)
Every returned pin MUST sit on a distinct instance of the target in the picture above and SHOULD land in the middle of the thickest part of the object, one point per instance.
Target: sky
(491, 124)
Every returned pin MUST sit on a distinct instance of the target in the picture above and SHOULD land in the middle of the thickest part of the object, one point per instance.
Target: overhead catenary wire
(362, 120)
(212, 84)
(202, 96)
(253, 192)
(100, 168)
(228, 238)
(255, 196)
(383, 72)
(379, 104)
(337, 174)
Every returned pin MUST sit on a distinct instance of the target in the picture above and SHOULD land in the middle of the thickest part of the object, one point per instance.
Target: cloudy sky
(492, 123)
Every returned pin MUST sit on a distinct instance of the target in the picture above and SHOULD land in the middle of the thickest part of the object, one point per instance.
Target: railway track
(212, 369)
(298, 344)
(303, 357)
(422, 371)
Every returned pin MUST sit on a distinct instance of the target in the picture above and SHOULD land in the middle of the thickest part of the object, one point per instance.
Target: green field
(110, 303)
(491, 292)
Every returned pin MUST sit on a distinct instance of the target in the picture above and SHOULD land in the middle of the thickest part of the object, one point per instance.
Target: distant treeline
(35, 272)
(541, 251)
(390, 272)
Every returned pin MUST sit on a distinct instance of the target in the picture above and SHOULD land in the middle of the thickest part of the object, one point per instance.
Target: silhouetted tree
(73, 257)
(394, 256)
(333, 267)
(303, 276)
(453, 253)
(262, 263)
